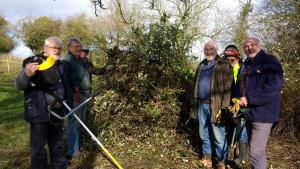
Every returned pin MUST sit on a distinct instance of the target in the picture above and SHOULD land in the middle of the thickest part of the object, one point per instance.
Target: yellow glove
(218, 116)
(236, 107)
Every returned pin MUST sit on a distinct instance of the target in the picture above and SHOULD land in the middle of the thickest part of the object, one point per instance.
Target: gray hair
(53, 39)
(211, 42)
(254, 39)
(73, 39)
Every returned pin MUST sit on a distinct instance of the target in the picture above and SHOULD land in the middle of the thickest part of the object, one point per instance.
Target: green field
(14, 131)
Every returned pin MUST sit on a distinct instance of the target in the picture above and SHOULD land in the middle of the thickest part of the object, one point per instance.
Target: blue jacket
(36, 91)
(262, 87)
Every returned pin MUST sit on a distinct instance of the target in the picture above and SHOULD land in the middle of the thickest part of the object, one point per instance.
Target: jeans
(40, 134)
(258, 135)
(244, 136)
(212, 135)
(242, 131)
(74, 128)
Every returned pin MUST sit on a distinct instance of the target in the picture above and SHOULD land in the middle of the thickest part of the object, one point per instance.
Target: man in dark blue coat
(40, 84)
(262, 82)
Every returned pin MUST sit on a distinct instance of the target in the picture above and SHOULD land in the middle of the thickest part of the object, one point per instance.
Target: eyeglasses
(54, 47)
(230, 60)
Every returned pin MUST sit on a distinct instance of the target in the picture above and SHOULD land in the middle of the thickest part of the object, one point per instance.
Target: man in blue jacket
(262, 81)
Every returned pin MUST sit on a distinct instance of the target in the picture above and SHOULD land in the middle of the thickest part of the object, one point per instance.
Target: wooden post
(8, 68)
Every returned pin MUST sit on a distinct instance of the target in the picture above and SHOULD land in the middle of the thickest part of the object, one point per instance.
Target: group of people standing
(222, 82)
(255, 83)
(67, 78)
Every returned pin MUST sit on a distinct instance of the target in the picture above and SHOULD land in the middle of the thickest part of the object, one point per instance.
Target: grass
(14, 131)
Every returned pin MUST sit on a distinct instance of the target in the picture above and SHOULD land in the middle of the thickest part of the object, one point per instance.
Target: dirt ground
(282, 154)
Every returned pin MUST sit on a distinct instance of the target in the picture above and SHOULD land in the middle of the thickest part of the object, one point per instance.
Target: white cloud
(13, 10)
(22, 51)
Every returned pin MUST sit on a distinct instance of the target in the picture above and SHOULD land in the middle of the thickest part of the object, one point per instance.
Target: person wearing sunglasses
(232, 55)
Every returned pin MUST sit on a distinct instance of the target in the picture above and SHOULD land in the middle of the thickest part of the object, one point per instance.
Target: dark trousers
(42, 134)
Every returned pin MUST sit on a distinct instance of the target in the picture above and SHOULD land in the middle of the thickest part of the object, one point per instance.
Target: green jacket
(222, 77)
(78, 73)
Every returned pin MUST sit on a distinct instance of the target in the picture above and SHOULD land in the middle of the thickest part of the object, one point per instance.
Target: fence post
(8, 68)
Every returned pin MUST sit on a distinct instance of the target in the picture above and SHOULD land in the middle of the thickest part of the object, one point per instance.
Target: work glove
(221, 115)
(236, 106)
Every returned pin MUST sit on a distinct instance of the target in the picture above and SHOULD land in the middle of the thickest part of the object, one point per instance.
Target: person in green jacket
(79, 73)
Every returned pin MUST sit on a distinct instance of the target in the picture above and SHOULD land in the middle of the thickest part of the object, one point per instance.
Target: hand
(244, 101)
(31, 68)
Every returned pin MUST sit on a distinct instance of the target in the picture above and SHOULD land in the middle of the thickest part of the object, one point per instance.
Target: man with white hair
(262, 82)
(212, 95)
(41, 76)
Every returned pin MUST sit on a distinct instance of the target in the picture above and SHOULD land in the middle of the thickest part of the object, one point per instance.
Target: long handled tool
(94, 138)
(232, 146)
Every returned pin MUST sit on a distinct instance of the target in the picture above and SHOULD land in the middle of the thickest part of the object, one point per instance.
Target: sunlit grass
(14, 131)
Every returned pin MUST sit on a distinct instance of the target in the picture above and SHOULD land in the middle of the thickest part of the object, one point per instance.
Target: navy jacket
(262, 87)
(36, 91)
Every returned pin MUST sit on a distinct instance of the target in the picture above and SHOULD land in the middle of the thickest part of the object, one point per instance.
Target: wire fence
(10, 64)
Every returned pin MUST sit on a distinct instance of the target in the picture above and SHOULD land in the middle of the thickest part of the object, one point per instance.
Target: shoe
(243, 152)
(221, 165)
(206, 162)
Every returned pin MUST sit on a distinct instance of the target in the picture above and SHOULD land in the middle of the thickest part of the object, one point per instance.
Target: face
(251, 48)
(210, 52)
(232, 60)
(75, 48)
(53, 49)
(83, 54)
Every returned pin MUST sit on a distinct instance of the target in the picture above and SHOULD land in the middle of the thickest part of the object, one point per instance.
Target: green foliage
(149, 81)
(242, 25)
(6, 42)
(36, 31)
(78, 26)
(164, 49)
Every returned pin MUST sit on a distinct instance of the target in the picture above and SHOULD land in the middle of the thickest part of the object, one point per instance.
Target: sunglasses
(230, 60)
(85, 50)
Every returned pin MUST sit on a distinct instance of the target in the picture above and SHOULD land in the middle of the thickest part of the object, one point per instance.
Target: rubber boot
(242, 155)
(243, 152)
